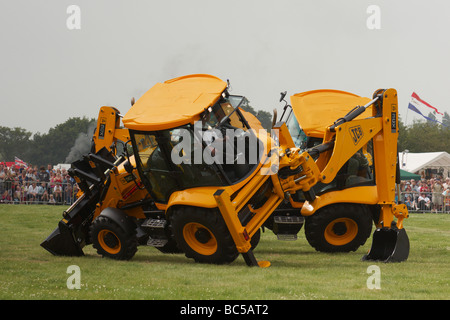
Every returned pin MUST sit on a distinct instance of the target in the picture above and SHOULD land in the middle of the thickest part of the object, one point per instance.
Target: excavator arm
(343, 140)
(108, 129)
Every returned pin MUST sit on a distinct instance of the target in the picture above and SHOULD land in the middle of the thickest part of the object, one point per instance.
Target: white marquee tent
(437, 162)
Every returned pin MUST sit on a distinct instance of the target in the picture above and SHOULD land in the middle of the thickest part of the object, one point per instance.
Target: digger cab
(313, 111)
(307, 119)
(195, 138)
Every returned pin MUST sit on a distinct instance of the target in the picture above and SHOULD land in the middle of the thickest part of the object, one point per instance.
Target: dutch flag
(417, 103)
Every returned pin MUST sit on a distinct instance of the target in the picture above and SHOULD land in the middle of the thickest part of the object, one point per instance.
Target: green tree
(424, 136)
(265, 118)
(446, 120)
(54, 146)
(14, 142)
(402, 136)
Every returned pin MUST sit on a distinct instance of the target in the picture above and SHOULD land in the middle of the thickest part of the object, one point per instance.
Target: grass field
(297, 271)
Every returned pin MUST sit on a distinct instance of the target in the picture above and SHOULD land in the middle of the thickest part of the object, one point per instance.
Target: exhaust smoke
(82, 144)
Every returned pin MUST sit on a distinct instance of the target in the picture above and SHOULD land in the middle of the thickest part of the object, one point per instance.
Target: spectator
(24, 188)
(23, 177)
(8, 182)
(446, 183)
(407, 192)
(65, 177)
(424, 202)
(68, 193)
(44, 176)
(51, 200)
(424, 187)
(57, 192)
(415, 189)
(58, 177)
(446, 195)
(32, 192)
(52, 182)
(410, 204)
(437, 198)
(50, 169)
(42, 194)
(30, 176)
(18, 194)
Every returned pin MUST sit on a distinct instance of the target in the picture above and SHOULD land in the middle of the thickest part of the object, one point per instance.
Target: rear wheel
(203, 235)
(111, 240)
(339, 227)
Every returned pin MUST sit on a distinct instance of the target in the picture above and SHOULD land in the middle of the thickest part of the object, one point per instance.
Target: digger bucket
(71, 234)
(61, 242)
(389, 245)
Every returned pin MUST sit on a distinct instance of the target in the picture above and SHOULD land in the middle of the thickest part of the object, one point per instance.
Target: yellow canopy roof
(174, 103)
(318, 109)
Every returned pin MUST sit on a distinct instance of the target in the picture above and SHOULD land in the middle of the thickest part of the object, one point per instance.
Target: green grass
(297, 271)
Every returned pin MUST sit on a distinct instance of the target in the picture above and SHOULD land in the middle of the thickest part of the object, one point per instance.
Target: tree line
(425, 136)
(52, 147)
(67, 141)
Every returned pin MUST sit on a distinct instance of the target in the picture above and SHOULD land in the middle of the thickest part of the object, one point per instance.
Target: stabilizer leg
(251, 261)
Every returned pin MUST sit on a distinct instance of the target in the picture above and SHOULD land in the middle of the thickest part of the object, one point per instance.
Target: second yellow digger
(198, 175)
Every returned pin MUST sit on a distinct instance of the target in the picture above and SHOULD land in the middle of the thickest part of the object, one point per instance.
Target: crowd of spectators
(23, 185)
(426, 195)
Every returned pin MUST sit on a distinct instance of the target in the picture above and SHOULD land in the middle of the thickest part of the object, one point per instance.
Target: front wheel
(111, 240)
(341, 227)
(203, 235)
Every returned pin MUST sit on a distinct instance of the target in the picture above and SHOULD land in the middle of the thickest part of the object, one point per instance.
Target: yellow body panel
(159, 108)
(316, 110)
(196, 197)
(252, 120)
(362, 195)
(123, 190)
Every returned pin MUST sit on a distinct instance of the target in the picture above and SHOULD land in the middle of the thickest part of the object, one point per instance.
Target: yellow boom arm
(108, 129)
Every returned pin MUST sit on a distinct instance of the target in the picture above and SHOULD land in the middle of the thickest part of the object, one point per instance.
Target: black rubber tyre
(111, 240)
(341, 227)
(203, 235)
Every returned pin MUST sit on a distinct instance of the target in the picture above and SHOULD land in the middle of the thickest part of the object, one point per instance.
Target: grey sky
(49, 73)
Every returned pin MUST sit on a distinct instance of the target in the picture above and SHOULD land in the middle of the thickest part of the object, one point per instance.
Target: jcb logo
(356, 133)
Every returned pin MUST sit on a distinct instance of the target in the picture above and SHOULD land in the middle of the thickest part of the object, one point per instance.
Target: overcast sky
(49, 73)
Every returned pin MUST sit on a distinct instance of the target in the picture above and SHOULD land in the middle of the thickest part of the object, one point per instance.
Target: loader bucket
(61, 242)
(388, 245)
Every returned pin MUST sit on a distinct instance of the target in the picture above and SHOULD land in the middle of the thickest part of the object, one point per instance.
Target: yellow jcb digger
(199, 176)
